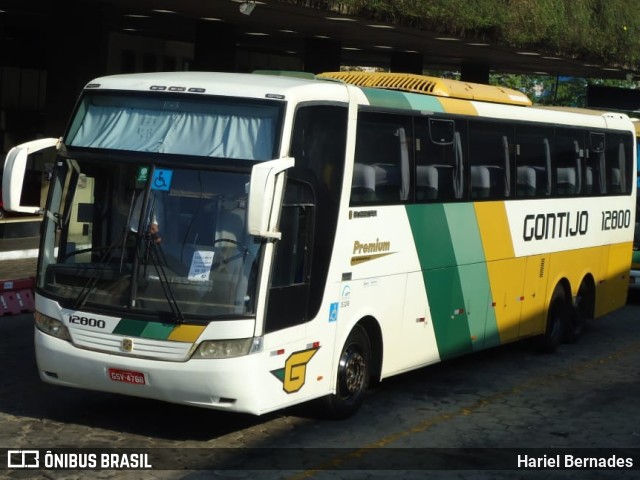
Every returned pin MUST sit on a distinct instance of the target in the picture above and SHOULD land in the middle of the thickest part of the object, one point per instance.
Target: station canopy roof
(281, 28)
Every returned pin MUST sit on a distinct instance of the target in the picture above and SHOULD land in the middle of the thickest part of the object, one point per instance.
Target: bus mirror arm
(265, 196)
(15, 166)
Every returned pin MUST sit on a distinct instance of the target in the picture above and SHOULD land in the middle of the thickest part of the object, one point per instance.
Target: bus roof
(220, 83)
(440, 87)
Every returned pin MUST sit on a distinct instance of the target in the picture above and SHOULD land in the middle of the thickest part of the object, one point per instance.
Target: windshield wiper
(99, 268)
(156, 255)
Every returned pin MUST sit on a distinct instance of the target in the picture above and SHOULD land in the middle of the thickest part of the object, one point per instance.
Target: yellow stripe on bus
(494, 230)
(186, 333)
(453, 105)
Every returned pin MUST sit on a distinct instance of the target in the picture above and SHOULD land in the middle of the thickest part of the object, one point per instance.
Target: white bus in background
(247, 242)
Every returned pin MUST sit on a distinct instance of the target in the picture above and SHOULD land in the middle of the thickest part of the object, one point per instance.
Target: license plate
(126, 376)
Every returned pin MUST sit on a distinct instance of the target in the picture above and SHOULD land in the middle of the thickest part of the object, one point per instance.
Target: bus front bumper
(223, 384)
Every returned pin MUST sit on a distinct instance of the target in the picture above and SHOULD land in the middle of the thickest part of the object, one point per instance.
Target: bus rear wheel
(354, 371)
(581, 312)
(558, 317)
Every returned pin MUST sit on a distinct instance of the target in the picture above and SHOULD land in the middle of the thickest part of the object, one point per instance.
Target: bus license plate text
(126, 376)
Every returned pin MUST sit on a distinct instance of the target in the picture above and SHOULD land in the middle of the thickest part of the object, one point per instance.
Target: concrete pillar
(407, 62)
(475, 73)
(321, 55)
(215, 47)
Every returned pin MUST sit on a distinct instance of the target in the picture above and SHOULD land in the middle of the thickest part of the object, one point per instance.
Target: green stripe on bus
(131, 328)
(423, 102)
(395, 99)
(474, 276)
(142, 329)
(432, 237)
(158, 331)
(386, 98)
(456, 279)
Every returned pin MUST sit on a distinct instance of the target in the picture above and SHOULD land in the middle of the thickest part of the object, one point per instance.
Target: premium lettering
(373, 247)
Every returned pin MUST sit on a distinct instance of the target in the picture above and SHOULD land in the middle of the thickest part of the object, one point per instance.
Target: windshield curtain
(165, 241)
(197, 125)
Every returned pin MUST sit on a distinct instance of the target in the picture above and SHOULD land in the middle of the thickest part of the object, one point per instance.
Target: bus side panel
(446, 303)
(507, 281)
(378, 256)
(455, 276)
(533, 316)
(418, 346)
(474, 277)
(514, 301)
(612, 293)
(477, 296)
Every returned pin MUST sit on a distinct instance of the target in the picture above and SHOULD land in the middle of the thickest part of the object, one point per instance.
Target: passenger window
(618, 163)
(568, 151)
(439, 160)
(594, 179)
(382, 158)
(533, 162)
(491, 147)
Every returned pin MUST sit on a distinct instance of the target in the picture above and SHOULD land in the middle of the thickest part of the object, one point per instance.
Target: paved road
(584, 396)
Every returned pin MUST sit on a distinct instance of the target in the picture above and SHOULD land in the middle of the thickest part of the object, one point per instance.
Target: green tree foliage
(601, 31)
(547, 90)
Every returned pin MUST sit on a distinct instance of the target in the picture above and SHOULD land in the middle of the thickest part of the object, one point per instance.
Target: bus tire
(354, 371)
(580, 313)
(558, 317)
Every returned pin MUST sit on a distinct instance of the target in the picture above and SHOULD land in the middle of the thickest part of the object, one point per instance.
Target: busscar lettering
(545, 226)
(364, 213)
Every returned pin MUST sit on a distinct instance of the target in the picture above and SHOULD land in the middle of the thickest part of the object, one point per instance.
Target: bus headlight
(51, 326)
(227, 348)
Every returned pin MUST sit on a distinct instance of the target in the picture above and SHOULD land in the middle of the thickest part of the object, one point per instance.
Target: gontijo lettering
(544, 226)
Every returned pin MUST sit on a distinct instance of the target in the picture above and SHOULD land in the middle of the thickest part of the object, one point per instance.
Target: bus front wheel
(354, 370)
(558, 317)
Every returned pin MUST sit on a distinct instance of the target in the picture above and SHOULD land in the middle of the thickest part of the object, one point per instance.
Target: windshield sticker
(161, 179)
(142, 175)
(201, 265)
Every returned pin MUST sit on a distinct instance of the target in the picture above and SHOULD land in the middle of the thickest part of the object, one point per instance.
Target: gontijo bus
(247, 242)
(634, 274)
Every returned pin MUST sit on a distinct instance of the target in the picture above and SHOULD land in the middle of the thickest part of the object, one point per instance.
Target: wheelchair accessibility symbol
(333, 312)
(161, 179)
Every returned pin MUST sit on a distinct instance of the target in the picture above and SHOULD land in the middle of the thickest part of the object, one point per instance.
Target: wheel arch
(372, 327)
(565, 284)
(589, 285)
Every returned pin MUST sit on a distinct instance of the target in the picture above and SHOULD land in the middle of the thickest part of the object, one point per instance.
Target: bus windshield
(147, 239)
(171, 124)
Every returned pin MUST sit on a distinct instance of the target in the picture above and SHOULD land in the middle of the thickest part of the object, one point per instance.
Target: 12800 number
(87, 321)
(616, 219)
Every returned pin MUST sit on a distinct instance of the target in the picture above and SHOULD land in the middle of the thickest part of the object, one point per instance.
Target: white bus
(247, 242)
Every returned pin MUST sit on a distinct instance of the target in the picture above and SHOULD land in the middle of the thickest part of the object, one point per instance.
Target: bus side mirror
(15, 166)
(265, 195)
